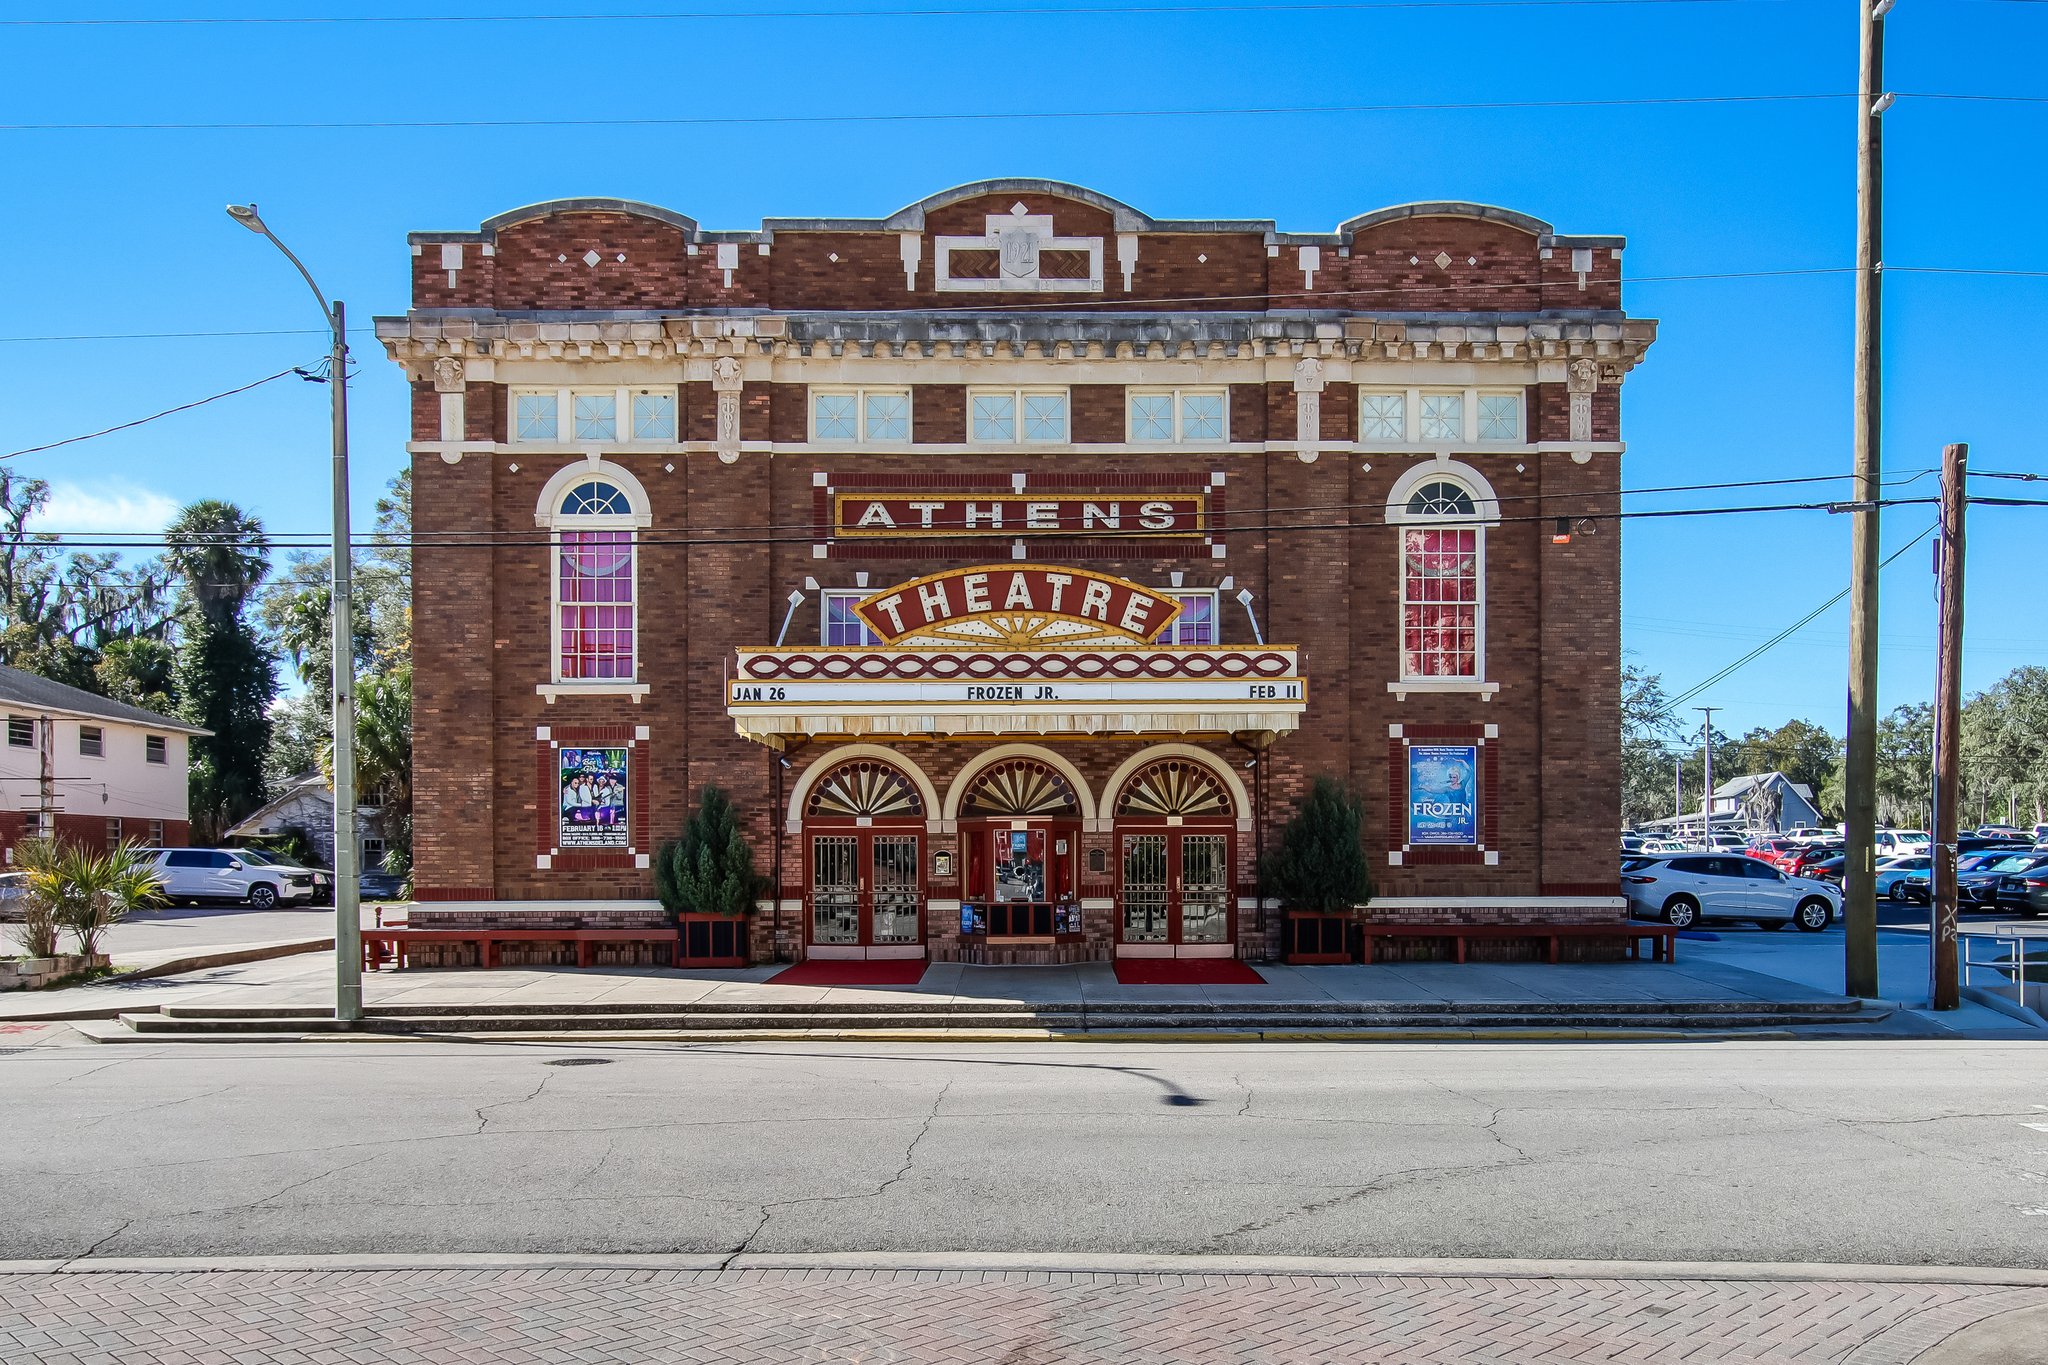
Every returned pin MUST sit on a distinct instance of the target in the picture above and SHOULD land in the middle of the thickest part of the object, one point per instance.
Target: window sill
(555, 691)
(1467, 685)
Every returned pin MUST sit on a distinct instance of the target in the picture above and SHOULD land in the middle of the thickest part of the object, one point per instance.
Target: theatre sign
(1016, 649)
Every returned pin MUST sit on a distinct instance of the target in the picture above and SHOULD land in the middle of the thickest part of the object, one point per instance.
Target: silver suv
(1686, 888)
(220, 874)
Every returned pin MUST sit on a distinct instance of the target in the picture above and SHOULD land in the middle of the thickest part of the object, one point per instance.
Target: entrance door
(1175, 893)
(866, 898)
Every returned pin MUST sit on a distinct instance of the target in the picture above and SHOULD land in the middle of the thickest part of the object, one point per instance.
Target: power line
(140, 421)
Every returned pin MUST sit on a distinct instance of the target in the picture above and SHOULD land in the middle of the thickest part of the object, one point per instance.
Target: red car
(1796, 864)
(1776, 852)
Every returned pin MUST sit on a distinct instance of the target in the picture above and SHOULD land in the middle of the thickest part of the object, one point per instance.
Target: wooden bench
(1662, 937)
(395, 944)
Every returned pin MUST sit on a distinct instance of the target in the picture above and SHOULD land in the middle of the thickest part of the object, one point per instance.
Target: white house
(307, 802)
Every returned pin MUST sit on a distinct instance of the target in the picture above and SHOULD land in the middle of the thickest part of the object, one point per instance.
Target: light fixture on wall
(796, 598)
(1244, 598)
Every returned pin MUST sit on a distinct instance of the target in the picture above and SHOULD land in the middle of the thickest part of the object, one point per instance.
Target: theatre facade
(1016, 562)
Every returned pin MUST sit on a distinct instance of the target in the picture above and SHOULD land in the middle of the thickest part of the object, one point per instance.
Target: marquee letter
(975, 588)
(931, 600)
(1155, 516)
(876, 515)
(1111, 516)
(1042, 516)
(1019, 594)
(1095, 601)
(1059, 583)
(993, 515)
(924, 511)
(1136, 608)
(890, 607)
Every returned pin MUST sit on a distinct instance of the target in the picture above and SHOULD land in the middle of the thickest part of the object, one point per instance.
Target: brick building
(1016, 561)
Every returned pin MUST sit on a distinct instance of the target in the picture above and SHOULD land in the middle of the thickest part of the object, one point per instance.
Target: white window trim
(1411, 413)
(165, 741)
(556, 523)
(859, 395)
(1486, 505)
(1174, 397)
(565, 397)
(1018, 394)
(825, 599)
(1215, 609)
(82, 752)
(29, 721)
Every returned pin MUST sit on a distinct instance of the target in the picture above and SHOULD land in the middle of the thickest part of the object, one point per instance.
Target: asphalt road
(1861, 1152)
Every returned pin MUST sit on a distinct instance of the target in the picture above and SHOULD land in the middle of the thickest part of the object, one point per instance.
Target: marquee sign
(940, 514)
(1018, 604)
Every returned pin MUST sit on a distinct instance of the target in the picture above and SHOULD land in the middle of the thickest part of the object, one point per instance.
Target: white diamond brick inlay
(1019, 210)
(1443, 261)
(591, 258)
(1201, 260)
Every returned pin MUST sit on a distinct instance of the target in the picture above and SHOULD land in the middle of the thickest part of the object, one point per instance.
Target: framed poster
(973, 919)
(1020, 865)
(593, 799)
(1443, 794)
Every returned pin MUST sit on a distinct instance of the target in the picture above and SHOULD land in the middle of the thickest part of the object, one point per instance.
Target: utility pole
(46, 780)
(1859, 823)
(1707, 796)
(1948, 727)
(1677, 785)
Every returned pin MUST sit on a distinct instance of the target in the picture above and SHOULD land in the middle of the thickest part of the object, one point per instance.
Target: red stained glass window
(594, 604)
(1440, 603)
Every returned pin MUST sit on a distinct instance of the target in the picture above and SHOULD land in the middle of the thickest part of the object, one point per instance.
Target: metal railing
(2011, 942)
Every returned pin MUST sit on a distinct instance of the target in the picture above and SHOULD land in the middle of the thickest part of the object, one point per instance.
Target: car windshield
(2018, 862)
(259, 857)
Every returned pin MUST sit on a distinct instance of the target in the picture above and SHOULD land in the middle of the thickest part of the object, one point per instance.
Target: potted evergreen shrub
(1318, 873)
(706, 879)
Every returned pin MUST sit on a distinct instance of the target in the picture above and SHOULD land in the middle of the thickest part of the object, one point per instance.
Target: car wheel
(1894, 894)
(263, 896)
(1813, 915)
(1681, 912)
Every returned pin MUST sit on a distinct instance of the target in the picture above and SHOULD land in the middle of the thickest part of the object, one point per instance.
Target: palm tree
(85, 891)
(221, 553)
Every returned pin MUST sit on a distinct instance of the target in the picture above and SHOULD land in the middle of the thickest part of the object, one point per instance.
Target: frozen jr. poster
(593, 797)
(1443, 794)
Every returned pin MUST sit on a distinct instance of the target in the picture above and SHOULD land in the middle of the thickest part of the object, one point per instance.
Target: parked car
(1892, 872)
(2035, 885)
(1725, 839)
(1772, 850)
(2004, 884)
(2001, 832)
(221, 875)
(323, 880)
(1806, 857)
(1915, 886)
(379, 886)
(13, 886)
(1826, 869)
(1898, 843)
(1688, 888)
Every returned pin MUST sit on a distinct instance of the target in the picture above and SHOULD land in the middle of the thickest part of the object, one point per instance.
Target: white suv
(220, 874)
(1692, 887)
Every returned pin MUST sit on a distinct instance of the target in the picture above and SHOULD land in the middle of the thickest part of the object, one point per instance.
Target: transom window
(595, 576)
(1196, 624)
(1439, 416)
(1013, 416)
(564, 416)
(1441, 499)
(842, 625)
(1176, 415)
(863, 416)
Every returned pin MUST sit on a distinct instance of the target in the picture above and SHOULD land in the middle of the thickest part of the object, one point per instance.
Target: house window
(373, 853)
(1443, 416)
(842, 626)
(1500, 416)
(155, 749)
(1175, 415)
(156, 834)
(861, 416)
(113, 833)
(595, 573)
(92, 741)
(32, 825)
(1196, 624)
(1013, 416)
(1383, 416)
(559, 416)
(1441, 583)
(21, 732)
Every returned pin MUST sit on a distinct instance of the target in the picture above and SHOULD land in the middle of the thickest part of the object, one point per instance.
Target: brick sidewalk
(513, 1316)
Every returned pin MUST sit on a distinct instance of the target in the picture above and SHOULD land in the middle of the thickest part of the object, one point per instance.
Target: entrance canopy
(1016, 649)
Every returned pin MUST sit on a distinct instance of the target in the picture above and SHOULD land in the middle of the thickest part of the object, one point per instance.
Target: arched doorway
(1020, 831)
(863, 837)
(1174, 821)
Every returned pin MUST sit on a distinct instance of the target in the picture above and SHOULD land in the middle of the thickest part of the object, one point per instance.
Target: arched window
(1442, 518)
(595, 572)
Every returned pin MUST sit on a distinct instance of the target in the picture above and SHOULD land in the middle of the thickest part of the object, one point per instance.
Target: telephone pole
(1859, 824)
(1948, 727)
(1707, 797)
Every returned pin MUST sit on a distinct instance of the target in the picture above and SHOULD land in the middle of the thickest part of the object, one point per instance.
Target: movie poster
(593, 797)
(1020, 865)
(1443, 794)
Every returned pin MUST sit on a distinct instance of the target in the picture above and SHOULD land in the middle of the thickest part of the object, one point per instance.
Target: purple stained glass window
(594, 611)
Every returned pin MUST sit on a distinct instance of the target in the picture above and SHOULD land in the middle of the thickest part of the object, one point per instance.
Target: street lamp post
(348, 953)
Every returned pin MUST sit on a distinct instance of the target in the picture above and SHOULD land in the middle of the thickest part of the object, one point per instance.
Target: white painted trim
(958, 791)
(860, 394)
(1473, 685)
(1485, 503)
(1113, 788)
(838, 754)
(1017, 394)
(1174, 394)
(584, 470)
(554, 692)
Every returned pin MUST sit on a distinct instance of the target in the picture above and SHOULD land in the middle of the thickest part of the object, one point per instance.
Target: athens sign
(1019, 514)
(1018, 604)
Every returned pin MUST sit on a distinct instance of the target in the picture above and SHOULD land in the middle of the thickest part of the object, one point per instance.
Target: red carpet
(1185, 971)
(892, 971)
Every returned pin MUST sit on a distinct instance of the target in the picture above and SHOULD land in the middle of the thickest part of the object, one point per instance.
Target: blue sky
(121, 232)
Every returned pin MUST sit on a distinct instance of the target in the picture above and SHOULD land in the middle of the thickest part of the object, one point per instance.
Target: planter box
(711, 940)
(1311, 938)
(27, 973)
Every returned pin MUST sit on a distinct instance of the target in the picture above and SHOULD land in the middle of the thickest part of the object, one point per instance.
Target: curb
(193, 962)
(123, 1036)
(1054, 1262)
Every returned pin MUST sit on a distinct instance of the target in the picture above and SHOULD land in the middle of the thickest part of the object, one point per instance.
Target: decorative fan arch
(865, 787)
(1174, 786)
(1020, 787)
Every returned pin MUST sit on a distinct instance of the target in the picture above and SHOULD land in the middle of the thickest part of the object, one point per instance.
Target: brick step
(1303, 1009)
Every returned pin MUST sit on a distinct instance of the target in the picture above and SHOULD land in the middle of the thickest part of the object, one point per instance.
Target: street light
(348, 954)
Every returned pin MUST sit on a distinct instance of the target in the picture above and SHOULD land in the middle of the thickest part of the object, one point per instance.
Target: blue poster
(1443, 794)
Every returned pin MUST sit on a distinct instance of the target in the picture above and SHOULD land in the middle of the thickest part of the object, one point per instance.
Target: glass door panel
(1204, 888)
(897, 909)
(1145, 892)
(835, 889)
